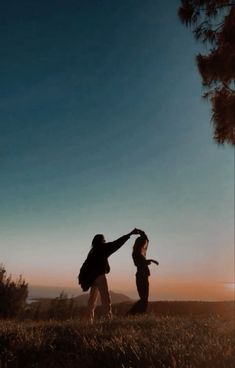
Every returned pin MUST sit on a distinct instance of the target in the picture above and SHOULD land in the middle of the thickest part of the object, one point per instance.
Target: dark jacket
(97, 263)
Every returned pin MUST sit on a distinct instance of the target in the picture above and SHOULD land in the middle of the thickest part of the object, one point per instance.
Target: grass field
(143, 342)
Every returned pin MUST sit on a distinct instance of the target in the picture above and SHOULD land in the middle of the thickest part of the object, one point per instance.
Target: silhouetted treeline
(13, 295)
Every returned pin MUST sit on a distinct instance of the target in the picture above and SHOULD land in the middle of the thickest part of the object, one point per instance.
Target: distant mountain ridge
(81, 300)
(43, 292)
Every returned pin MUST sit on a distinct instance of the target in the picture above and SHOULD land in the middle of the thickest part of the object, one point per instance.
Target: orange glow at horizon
(230, 286)
(164, 289)
(183, 290)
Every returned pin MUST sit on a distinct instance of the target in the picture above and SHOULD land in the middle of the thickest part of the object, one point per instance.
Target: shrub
(13, 295)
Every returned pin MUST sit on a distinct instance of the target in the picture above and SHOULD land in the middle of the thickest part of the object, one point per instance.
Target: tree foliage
(13, 295)
(213, 23)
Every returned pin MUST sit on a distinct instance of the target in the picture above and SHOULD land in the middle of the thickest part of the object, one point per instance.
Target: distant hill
(47, 293)
(121, 304)
(82, 300)
(42, 292)
(182, 308)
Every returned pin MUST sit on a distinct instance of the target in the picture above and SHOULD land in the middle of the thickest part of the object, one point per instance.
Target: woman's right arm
(153, 261)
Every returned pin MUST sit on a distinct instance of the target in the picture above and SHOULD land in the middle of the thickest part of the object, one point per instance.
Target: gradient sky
(102, 129)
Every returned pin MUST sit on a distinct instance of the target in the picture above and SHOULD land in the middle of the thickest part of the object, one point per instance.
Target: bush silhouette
(63, 308)
(13, 295)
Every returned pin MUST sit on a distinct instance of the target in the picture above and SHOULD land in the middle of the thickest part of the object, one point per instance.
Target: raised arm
(142, 233)
(112, 247)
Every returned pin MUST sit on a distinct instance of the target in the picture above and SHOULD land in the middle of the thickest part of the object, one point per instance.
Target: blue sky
(103, 128)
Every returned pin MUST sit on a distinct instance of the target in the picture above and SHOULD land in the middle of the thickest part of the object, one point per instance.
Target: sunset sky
(103, 129)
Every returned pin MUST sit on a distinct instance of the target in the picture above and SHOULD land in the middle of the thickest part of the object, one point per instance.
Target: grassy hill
(140, 342)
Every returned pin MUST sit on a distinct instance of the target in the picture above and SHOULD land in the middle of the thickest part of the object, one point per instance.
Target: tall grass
(141, 342)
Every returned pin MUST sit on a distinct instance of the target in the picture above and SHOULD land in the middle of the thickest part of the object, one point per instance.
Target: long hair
(97, 240)
(140, 242)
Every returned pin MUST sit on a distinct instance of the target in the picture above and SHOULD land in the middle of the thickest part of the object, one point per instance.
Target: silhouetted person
(142, 274)
(94, 269)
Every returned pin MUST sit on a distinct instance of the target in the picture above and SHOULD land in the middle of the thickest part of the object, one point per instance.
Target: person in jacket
(94, 269)
(142, 275)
